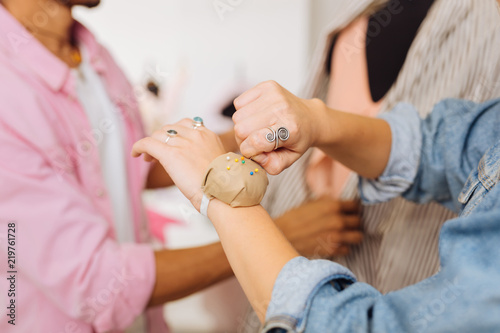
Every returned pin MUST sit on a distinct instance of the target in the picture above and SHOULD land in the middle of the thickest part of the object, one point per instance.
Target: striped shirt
(455, 54)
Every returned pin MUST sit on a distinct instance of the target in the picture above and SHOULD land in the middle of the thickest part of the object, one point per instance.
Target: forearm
(158, 177)
(180, 273)
(362, 144)
(255, 248)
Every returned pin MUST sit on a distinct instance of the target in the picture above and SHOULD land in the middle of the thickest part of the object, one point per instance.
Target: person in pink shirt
(71, 190)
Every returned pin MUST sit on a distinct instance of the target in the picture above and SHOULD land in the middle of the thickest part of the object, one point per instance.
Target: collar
(21, 46)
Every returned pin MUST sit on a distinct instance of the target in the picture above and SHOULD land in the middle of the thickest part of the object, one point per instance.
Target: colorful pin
(236, 160)
(228, 158)
(229, 168)
(251, 173)
(242, 158)
(256, 170)
(243, 162)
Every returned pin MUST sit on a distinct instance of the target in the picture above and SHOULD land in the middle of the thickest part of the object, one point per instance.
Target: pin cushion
(235, 180)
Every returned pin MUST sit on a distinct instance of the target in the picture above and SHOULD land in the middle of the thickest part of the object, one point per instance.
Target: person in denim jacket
(452, 157)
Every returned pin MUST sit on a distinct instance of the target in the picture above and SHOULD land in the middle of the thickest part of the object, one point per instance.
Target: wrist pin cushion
(235, 180)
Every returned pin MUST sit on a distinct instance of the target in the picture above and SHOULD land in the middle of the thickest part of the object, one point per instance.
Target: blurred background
(191, 58)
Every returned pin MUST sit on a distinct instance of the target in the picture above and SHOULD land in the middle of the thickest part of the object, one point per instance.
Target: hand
(270, 105)
(185, 157)
(322, 228)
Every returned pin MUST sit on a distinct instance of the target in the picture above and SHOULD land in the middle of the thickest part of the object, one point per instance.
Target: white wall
(255, 41)
(322, 12)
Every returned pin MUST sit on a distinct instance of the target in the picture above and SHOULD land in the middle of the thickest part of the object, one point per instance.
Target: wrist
(205, 202)
(320, 121)
(196, 200)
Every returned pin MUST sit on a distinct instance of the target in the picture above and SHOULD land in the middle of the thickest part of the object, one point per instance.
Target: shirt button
(100, 192)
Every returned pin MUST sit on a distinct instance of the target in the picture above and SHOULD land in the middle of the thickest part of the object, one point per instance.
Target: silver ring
(170, 134)
(283, 133)
(197, 122)
(275, 136)
(271, 137)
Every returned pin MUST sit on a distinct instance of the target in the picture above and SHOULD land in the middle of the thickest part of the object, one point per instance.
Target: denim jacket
(452, 157)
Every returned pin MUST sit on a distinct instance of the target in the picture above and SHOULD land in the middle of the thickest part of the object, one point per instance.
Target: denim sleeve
(295, 288)
(321, 296)
(432, 158)
(403, 162)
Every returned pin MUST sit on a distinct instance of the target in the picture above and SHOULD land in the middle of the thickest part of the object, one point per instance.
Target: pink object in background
(157, 224)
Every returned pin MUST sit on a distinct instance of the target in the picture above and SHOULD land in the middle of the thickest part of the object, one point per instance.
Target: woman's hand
(270, 105)
(185, 157)
(322, 228)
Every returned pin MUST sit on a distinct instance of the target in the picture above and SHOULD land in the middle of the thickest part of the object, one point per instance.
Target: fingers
(149, 146)
(276, 161)
(247, 98)
(256, 143)
(257, 121)
(351, 221)
(341, 251)
(184, 129)
(327, 205)
(350, 206)
(186, 122)
(351, 237)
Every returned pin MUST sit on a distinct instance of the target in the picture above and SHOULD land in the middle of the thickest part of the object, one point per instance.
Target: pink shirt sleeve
(66, 249)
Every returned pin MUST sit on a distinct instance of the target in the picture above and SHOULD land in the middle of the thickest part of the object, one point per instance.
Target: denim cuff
(404, 160)
(296, 285)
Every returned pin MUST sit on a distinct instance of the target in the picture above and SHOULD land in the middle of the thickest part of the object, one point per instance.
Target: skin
(322, 215)
(158, 178)
(179, 273)
(311, 123)
(255, 247)
(322, 228)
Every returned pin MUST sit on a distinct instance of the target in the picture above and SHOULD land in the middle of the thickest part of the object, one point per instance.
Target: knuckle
(274, 84)
(294, 127)
(239, 131)
(269, 84)
(255, 141)
(282, 106)
(245, 150)
(236, 115)
(237, 103)
(272, 168)
(158, 133)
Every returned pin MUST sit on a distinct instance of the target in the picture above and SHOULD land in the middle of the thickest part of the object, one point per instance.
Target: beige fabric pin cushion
(235, 180)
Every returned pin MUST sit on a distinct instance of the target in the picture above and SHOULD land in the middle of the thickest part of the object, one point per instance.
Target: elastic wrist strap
(204, 205)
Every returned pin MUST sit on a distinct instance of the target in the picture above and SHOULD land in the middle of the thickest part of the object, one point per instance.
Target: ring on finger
(170, 134)
(271, 137)
(283, 133)
(197, 122)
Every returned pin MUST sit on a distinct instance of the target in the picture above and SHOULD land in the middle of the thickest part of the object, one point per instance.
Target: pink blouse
(71, 274)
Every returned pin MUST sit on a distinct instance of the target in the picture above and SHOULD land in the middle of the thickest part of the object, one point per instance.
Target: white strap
(204, 205)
